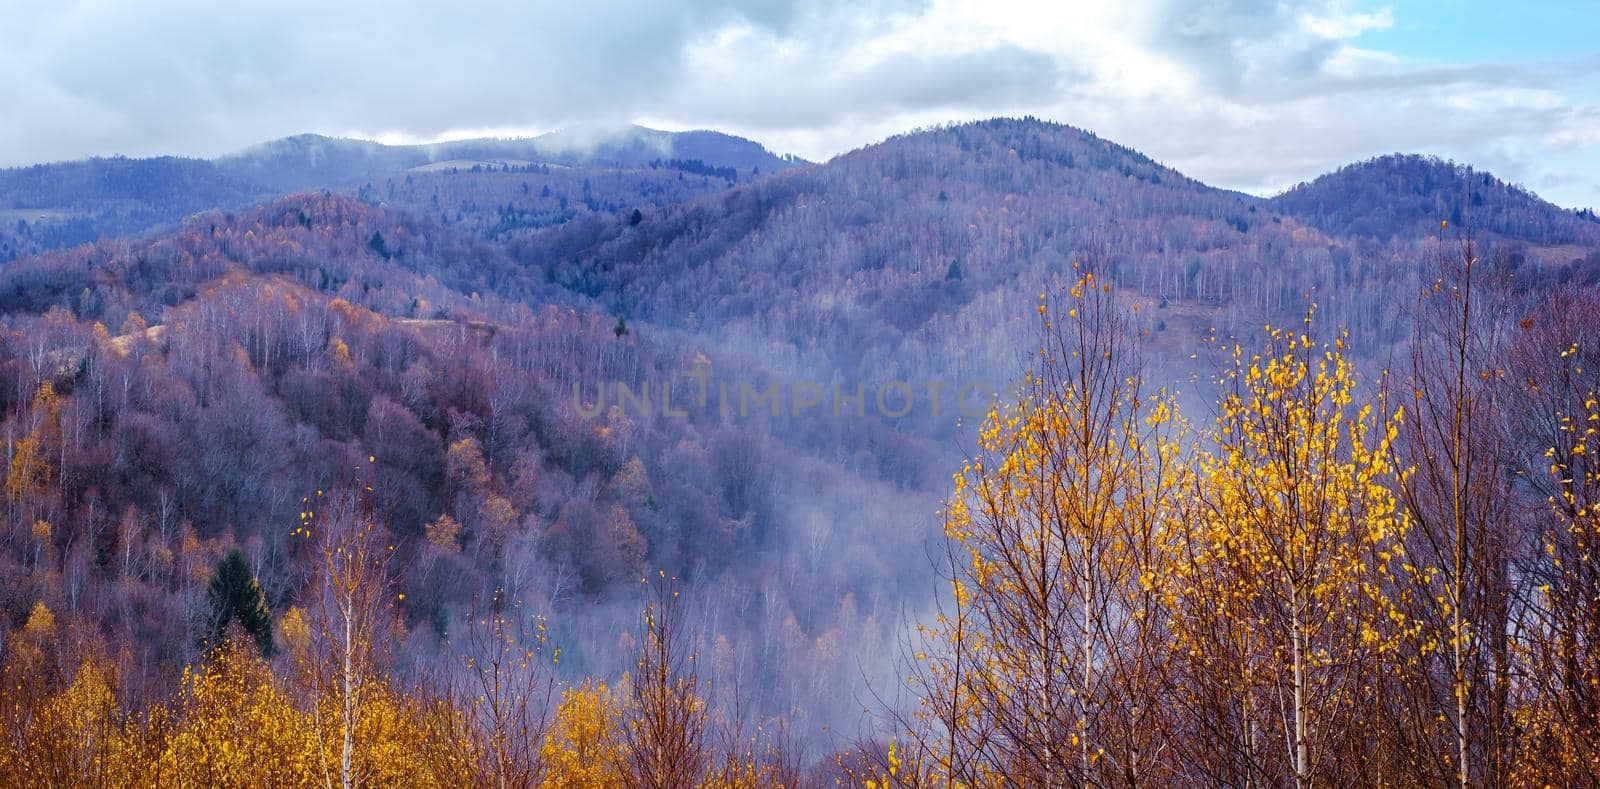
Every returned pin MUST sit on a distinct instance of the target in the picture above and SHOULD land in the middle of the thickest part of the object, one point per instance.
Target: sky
(1246, 94)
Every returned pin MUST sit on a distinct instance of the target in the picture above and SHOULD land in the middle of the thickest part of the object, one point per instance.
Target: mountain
(308, 160)
(1405, 195)
(54, 205)
(497, 203)
(628, 147)
(49, 206)
(304, 161)
(925, 253)
(923, 256)
(160, 180)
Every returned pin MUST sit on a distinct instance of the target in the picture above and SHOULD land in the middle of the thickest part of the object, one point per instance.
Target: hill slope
(200, 383)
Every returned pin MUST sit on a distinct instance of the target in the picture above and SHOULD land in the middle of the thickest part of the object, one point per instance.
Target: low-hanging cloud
(1248, 94)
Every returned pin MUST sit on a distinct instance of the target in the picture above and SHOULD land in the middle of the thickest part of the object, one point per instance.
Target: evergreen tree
(378, 244)
(233, 595)
(621, 329)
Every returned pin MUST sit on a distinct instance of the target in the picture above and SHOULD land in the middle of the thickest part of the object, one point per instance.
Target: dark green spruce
(235, 596)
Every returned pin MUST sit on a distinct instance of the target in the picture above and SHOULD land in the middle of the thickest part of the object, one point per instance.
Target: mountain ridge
(314, 155)
(52, 205)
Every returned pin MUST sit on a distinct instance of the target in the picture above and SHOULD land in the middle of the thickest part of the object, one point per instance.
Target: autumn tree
(1048, 663)
(1280, 612)
(1557, 679)
(237, 725)
(584, 746)
(1560, 704)
(350, 605)
(35, 458)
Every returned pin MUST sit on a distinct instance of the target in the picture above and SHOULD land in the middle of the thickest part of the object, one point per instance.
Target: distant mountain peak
(1029, 138)
(297, 142)
(309, 160)
(1401, 194)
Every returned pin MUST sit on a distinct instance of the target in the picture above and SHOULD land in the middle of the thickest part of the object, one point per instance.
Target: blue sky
(1434, 33)
(1247, 94)
(1444, 31)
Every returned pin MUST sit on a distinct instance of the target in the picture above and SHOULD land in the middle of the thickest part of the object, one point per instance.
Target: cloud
(106, 77)
(1248, 94)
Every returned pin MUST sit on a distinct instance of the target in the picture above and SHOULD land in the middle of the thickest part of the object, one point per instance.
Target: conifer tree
(234, 595)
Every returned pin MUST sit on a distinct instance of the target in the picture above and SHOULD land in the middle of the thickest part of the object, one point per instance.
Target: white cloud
(1340, 24)
(1576, 133)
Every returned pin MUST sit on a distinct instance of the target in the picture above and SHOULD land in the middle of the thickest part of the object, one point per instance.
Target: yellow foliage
(340, 353)
(75, 737)
(1281, 589)
(41, 622)
(1059, 530)
(238, 727)
(444, 532)
(29, 469)
(296, 632)
(584, 745)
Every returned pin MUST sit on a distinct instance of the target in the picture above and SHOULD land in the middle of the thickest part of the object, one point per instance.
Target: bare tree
(1455, 582)
(494, 710)
(351, 606)
(664, 735)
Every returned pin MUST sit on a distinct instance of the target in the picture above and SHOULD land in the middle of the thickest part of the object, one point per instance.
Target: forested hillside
(50, 206)
(310, 160)
(259, 358)
(1408, 195)
(921, 257)
(501, 202)
(428, 359)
